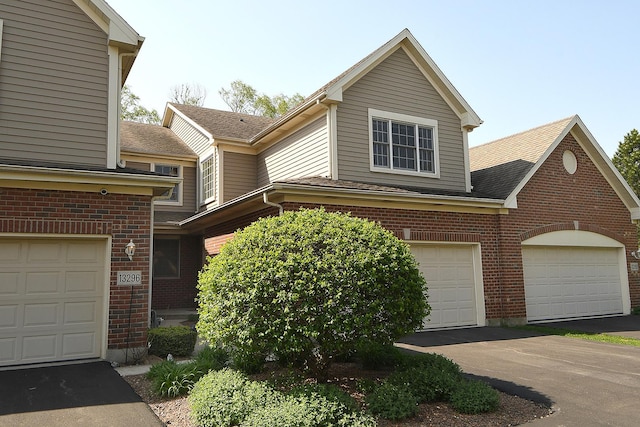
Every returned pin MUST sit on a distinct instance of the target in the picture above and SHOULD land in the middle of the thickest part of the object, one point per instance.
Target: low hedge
(174, 340)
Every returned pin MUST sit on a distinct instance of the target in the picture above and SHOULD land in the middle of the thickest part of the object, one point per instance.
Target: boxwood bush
(174, 340)
(226, 397)
(392, 401)
(308, 285)
(475, 397)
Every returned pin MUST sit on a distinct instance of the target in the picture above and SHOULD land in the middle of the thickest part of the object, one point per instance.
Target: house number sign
(129, 278)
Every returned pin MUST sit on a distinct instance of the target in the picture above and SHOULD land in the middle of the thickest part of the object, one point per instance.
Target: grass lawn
(591, 336)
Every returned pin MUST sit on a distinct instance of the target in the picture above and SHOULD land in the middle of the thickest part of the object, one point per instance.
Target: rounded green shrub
(392, 401)
(427, 384)
(310, 284)
(330, 392)
(226, 397)
(475, 397)
(306, 411)
(174, 340)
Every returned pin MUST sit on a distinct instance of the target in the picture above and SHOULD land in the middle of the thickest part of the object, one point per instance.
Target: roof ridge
(566, 119)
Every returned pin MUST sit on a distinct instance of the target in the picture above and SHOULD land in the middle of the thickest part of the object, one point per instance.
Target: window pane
(380, 143)
(208, 178)
(404, 149)
(170, 170)
(427, 154)
(166, 258)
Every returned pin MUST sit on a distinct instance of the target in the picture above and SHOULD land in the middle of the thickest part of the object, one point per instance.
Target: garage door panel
(39, 348)
(450, 275)
(569, 282)
(51, 306)
(80, 312)
(81, 281)
(78, 345)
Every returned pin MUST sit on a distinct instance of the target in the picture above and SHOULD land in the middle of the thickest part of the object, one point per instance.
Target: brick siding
(552, 200)
(123, 217)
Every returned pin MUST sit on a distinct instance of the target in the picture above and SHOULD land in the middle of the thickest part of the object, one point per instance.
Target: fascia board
(11, 173)
(604, 165)
(118, 30)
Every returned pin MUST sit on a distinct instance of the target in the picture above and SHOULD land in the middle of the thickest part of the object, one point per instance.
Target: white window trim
(167, 202)
(205, 156)
(404, 118)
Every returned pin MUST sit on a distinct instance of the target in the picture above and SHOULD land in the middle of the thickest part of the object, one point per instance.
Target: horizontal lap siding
(239, 174)
(190, 135)
(397, 85)
(53, 84)
(305, 153)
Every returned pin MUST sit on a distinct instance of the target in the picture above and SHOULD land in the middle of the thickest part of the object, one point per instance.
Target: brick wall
(123, 217)
(180, 292)
(552, 200)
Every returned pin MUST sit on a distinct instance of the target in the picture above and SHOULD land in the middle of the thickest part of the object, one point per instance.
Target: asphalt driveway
(85, 394)
(587, 383)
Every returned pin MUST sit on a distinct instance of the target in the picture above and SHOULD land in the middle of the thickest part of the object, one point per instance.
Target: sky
(519, 64)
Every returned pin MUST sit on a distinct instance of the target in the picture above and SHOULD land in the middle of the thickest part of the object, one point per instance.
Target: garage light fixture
(636, 254)
(130, 249)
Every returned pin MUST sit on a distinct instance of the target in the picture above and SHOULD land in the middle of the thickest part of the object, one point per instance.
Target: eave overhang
(46, 178)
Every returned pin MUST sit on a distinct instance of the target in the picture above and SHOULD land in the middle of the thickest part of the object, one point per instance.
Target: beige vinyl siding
(141, 166)
(302, 154)
(190, 135)
(239, 174)
(396, 85)
(53, 84)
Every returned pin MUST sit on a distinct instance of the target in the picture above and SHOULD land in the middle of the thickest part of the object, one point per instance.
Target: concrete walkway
(587, 383)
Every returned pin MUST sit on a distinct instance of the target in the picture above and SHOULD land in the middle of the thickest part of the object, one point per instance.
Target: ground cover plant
(308, 287)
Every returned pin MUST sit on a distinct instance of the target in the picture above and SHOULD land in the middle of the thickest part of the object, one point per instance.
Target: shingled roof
(225, 124)
(152, 139)
(498, 167)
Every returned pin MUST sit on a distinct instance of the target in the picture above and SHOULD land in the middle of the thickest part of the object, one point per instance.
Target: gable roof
(152, 139)
(406, 41)
(503, 167)
(252, 129)
(219, 123)
(497, 167)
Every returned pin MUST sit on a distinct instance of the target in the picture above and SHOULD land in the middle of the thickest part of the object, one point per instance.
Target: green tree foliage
(243, 98)
(309, 286)
(627, 159)
(188, 94)
(131, 110)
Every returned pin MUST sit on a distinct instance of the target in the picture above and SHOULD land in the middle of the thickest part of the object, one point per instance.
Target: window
(208, 179)
(171, 170)
(403, 144)
(166, 258)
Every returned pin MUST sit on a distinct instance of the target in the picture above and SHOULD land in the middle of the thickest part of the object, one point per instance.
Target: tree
(188, 94)
(309, 286)
(243, 98)
(131, 110)
(627, 159)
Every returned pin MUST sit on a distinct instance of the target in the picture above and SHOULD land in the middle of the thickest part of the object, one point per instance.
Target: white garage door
(571, 282)
(51, 299)
(451, 280)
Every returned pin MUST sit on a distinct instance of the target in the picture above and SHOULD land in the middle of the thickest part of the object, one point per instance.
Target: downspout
(266, 201)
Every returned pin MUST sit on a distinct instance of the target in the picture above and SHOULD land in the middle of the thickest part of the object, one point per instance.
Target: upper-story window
(171, 170)
(207, 166)
(403, 144)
